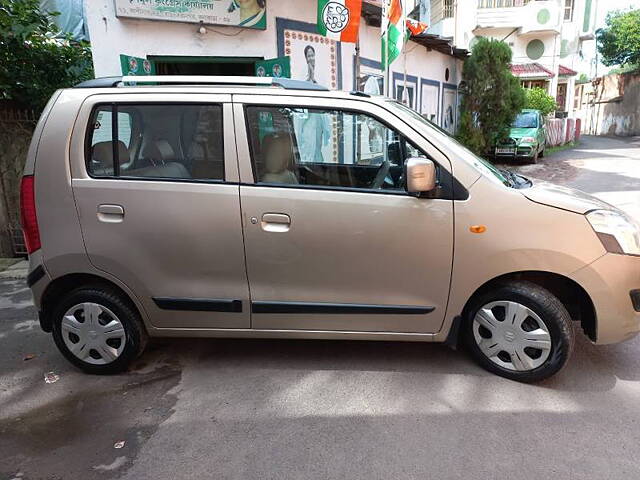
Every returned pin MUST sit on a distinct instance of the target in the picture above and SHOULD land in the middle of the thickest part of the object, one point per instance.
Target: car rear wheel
(519, 331)
(98, 330)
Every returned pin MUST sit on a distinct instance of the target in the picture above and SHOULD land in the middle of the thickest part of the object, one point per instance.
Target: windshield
(526, 120)
(480, 164)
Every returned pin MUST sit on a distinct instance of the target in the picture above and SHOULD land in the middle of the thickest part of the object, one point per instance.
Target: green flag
(393, 30)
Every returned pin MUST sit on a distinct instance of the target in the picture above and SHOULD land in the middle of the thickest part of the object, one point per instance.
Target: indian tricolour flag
(339, 19)
(393, 29)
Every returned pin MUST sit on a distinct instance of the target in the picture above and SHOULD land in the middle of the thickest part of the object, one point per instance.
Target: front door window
(326, 148)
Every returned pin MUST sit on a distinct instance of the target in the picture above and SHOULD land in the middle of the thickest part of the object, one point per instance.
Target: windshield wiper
(525, 181)
(515, 180)
(509, 176)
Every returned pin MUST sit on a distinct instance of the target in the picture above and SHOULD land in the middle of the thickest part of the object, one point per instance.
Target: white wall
(112, 36)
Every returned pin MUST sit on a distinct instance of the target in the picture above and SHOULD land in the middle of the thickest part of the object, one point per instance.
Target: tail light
(28, 214)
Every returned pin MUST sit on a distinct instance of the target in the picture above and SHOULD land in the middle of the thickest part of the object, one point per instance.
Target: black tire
(135, 333)
(550, 310)
(542, 153)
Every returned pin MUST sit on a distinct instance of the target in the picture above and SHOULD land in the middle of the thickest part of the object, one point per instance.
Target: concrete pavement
(231, 409)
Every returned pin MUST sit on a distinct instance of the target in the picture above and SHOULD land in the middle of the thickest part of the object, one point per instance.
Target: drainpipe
(455, 24)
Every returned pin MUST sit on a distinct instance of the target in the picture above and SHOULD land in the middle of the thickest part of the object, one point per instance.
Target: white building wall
(112, 36)
(574, 49)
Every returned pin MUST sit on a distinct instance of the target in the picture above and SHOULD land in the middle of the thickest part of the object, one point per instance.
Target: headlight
(528, 140)
(618, 232)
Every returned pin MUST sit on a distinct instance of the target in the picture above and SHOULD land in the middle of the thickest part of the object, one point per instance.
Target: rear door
(164, 218)
(333, 241)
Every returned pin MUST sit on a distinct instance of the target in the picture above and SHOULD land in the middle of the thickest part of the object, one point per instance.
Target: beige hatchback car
(252, 207)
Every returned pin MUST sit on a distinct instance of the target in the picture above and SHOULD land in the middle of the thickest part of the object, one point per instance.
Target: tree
(619, 41)
(538, 99)
(492, 96)
(33, 63)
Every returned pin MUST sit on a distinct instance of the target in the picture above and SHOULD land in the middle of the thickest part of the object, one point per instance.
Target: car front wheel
(519, 331)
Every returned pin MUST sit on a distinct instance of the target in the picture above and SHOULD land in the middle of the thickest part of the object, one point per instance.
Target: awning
(566, 72)
(531, 71)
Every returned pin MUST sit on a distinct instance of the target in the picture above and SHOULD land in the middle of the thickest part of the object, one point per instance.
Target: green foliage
(619, 41)
(583, 78)
(33, 64)
(628, 68)
(538, 99)
(492, 97)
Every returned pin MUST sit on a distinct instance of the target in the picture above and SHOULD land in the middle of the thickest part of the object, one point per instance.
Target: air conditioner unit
(541, 16)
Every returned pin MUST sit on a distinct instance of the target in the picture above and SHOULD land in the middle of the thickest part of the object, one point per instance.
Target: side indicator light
(477, 228)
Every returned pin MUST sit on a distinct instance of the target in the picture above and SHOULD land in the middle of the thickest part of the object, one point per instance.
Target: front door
(333, 241)
(164, 217)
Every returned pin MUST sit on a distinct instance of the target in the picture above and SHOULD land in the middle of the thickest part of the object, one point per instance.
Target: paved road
(323, 410)
(603, 166)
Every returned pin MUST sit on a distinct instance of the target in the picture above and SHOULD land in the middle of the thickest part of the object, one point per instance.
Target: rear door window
(156, 141)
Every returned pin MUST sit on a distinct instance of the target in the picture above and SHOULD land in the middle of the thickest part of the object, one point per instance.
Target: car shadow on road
(591, 368)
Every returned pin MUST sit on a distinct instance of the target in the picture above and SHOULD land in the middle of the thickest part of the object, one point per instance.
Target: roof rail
(286, 83)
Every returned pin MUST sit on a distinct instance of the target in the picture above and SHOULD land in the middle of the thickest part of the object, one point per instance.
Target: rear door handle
(109, 213)
(275, 222)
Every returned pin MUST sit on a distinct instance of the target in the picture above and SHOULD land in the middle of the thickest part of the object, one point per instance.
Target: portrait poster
(371, 81)
(406, 94)
(313, 58)
(449, 107)
(429, 102)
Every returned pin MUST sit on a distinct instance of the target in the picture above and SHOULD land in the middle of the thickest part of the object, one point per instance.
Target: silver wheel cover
(93, 333)
(516, 340)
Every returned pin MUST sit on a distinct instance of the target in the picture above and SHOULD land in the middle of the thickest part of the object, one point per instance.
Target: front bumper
(610, 281)
(521, 151)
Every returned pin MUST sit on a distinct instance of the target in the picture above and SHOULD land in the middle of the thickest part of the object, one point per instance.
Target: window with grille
(568, 10)
(502, 3)
(447, 9)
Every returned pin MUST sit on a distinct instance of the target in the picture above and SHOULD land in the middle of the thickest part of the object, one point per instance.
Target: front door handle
(109, 213)
(275, 222)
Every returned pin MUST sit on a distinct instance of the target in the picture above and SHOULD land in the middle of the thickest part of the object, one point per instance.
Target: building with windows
(548, 37)
(273, 37)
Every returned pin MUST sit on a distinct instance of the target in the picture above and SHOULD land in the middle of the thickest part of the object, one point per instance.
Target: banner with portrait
(274, 67)
(236, 13)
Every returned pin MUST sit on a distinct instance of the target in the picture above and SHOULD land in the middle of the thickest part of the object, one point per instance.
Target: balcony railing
(502, 3)
(525, 14)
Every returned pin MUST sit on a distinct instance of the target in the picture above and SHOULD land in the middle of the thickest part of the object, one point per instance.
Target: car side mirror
(420, 175)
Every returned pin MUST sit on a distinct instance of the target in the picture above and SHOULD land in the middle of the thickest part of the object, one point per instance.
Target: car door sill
(292, 334)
